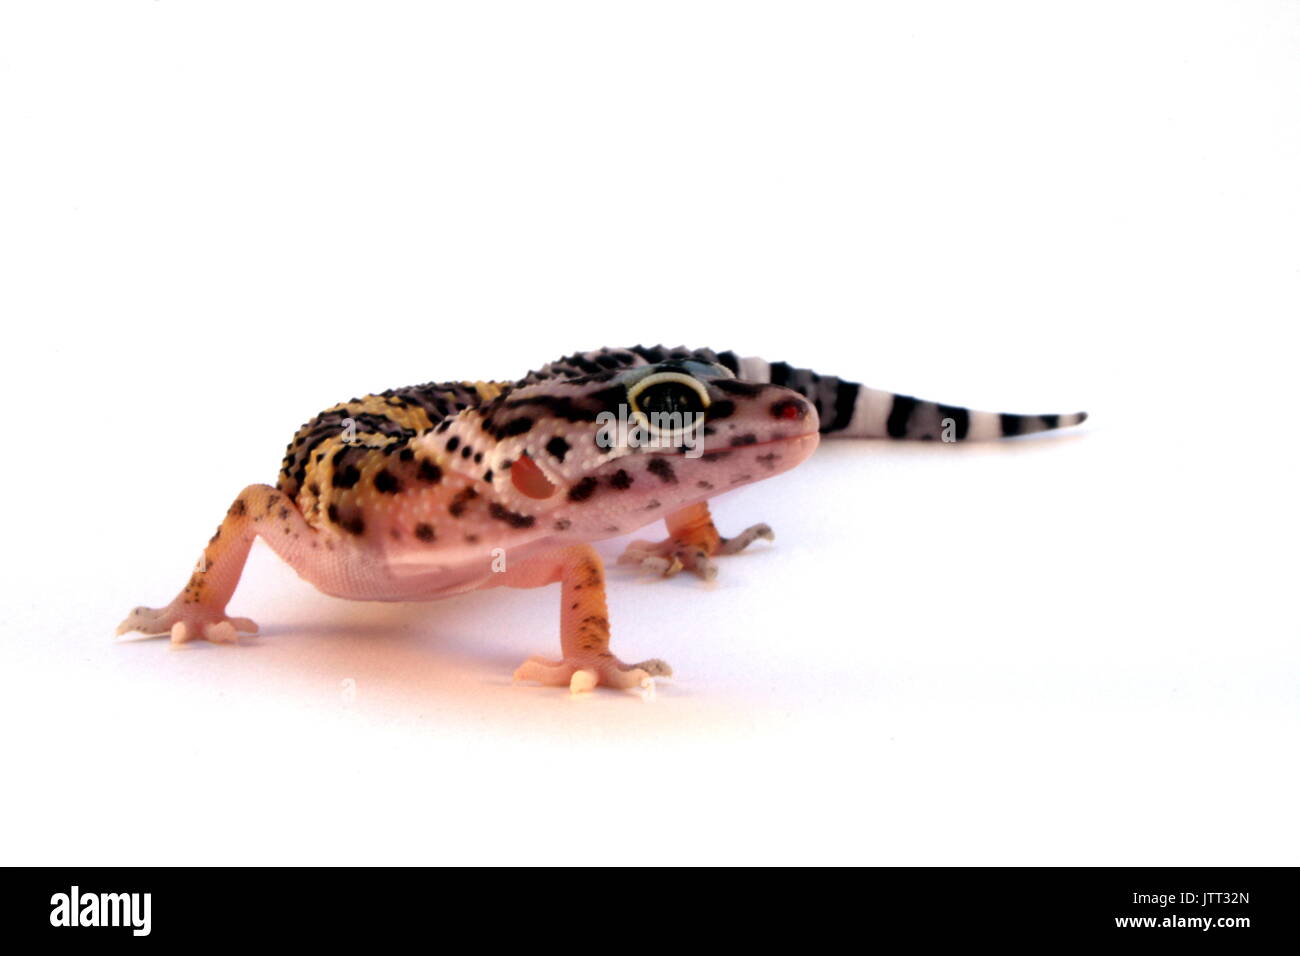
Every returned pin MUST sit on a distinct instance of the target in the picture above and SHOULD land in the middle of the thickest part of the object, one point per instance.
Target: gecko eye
(669, 394)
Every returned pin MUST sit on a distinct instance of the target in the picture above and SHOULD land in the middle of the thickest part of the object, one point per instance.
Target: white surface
(216, 220)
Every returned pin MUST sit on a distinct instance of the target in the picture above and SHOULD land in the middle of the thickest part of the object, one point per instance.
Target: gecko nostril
(789, 409)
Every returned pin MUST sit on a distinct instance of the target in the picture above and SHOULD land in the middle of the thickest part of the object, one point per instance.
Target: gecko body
(423, 492)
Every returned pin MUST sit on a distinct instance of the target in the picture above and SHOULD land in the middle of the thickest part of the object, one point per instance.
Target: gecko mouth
(745, 443)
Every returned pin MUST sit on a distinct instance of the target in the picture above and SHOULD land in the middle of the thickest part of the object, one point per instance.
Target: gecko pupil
(665, 398)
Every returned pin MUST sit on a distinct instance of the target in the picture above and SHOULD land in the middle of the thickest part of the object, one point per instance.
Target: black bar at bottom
(1226, 907)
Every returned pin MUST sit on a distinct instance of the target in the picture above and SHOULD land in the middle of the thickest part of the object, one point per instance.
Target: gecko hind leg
(199, 611)
(692, 542)
(584, 625)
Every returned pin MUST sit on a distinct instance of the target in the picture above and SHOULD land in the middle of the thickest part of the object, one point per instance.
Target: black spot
(430, 472)
(346, 478)
(238, 509)
(960, 419)
(724, 408)
(466, 451)
(354, 525)
(1051, 421)
(461, 502)
(846, 399)
(1011, 424)
(899, 413)
(563, 524)
(583, 489)
(406, 454)
(781, 373)
(620, 480)
(558, 448)
(663, 468)
(425, 532)
(453, 443)
(512, 518)
(515, 426)
(333, 512)
(741, 440)
(386, 483)
(487, 476)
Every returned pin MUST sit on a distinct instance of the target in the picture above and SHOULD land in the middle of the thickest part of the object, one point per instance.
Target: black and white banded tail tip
(878, 414)
(1009, 425)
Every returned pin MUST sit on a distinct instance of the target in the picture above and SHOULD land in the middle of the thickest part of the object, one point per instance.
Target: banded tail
(850, 410)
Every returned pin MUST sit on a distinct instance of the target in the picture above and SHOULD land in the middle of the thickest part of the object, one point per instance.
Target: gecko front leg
(199, 611)
(584, 625)
(692, 542)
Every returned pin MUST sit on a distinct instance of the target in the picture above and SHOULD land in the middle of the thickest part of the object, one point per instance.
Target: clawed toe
(669, 557)
(655, 667)
(654, 563)
(747, 537)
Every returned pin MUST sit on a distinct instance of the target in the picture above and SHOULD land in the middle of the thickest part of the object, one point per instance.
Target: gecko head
(607, 453)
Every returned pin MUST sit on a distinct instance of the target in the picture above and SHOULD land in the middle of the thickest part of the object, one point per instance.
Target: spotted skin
(424, 492)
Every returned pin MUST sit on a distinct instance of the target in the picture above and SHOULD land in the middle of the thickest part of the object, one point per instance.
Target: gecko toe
(184, 622)
(655, 667)
(747, 537)
(222, 632)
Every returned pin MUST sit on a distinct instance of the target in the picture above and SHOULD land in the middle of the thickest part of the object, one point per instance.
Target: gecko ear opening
(529, 480)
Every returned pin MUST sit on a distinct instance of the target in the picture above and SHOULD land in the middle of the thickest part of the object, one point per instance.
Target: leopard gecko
(433, 490)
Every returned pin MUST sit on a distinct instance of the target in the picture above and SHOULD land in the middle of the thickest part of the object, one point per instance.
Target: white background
(217, 219)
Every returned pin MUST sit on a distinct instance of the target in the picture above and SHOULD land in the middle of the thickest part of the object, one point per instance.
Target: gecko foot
(694, 552)
(187, 623)
(583, 675)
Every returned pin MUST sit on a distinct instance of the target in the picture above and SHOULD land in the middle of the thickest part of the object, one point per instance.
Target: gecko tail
(851, 410)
